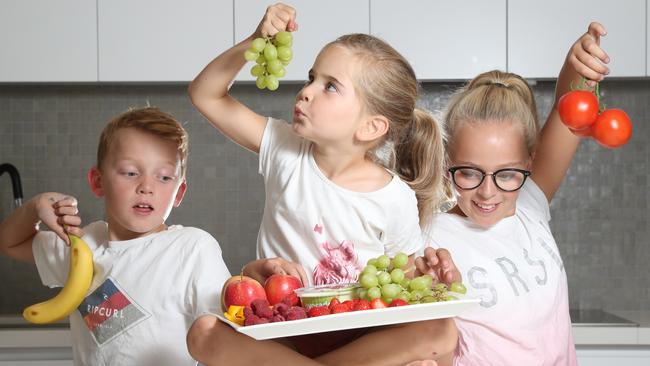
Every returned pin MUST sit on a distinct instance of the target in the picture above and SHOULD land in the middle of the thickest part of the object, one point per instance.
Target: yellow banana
(80, 275)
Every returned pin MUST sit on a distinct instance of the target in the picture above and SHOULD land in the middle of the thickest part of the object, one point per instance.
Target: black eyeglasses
(507, 180)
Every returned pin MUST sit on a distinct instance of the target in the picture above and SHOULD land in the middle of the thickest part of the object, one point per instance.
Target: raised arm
(209, 90)
(57, 211)
(557, 144)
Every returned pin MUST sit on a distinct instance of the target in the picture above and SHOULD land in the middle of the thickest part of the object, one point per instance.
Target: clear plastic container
(323, 294)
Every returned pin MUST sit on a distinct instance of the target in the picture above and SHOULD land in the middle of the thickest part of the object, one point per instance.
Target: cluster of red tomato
(579, 110)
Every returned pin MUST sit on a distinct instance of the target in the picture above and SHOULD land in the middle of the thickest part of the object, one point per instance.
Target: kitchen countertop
(16, 333)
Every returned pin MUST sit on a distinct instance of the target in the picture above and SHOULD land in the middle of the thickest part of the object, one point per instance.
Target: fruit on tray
(383, 284)
(385, 278)
(241, 290)
(80, 276)
(235, 314)
(261, 312)
(279, 286)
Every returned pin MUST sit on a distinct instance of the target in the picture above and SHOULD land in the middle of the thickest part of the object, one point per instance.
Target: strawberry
(334, 301)
(318, 311)
(397, 302)
(361, 305)
(340, 308)
(377, 303)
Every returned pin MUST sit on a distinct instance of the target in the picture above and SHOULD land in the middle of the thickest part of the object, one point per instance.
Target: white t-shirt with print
(516, 270)
(145, 293)
(330, 230)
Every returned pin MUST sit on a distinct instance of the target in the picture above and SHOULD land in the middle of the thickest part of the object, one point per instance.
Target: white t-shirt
(145, 293)
(330, 230)
(516, 270)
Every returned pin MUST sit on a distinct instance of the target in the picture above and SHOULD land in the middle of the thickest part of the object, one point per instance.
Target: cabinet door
(541, 32)
(152, 40)
(604, 356)
(444, 39)
(319, 22)
(43, 42)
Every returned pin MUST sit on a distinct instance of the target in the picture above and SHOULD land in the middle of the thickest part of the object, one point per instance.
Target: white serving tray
(356, 319)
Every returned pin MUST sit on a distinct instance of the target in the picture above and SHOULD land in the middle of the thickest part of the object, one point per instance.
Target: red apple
(279, 286)
(241, 290)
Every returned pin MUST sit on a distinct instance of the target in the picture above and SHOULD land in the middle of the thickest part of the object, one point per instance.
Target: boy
(150, 280)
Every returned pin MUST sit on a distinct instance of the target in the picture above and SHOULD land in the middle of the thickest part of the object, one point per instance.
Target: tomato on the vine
(578, 109)
(612, 128)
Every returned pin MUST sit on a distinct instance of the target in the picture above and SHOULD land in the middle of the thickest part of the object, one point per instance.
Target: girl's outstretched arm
(557, 144)
(209, 90)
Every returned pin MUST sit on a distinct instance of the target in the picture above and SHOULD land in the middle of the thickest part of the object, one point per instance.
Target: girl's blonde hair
(150, 120)
(413, 148)
(494, 97)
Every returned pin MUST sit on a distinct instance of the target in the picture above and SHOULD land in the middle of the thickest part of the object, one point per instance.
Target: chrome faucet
(15, 183)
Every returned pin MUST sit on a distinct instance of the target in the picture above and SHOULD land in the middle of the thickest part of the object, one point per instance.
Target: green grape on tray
(270, 55)
(385, 278)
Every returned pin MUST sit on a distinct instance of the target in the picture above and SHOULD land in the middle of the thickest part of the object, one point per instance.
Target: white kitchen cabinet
(647, 19)
(604, 356)
(153, 40)
(48, 41)
(444, 39)
(319, 22)
(541, 32)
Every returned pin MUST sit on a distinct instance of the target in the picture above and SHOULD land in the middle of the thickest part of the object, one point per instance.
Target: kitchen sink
(598, 318)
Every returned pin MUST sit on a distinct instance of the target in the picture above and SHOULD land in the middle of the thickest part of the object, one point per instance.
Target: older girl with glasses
(504, 176)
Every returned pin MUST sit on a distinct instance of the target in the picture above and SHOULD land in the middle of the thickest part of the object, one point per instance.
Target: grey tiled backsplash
(50, 132)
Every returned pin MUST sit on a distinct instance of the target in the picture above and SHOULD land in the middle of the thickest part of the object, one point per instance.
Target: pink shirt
(516, 270)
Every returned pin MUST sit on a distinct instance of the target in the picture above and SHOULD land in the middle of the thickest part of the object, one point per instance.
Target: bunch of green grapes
(385, 278)
(271, 55)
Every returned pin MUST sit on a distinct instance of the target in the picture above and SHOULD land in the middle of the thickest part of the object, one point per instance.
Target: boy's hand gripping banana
(76, 286)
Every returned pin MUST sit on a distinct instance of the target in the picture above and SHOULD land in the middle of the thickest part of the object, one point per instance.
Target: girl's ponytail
(420, 162)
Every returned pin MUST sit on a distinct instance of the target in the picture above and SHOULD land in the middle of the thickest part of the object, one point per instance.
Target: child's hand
(587, 58)
(261, 269)
(438, 263)
(278, 17)
(59, 212)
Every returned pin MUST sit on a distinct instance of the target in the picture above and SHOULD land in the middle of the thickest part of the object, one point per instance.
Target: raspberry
(251, 320)
(277, 318)
(295, 313)
(248, 312)
(262, 321)
(318, 311)
(258, 304)
(266, 312)
(281, 309)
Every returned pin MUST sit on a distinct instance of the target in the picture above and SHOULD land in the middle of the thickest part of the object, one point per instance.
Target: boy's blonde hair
(413, 147)
(495, 97)
(150, 120)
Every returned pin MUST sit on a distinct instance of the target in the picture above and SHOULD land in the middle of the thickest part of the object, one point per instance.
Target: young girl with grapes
(349, 180)
(505, 176)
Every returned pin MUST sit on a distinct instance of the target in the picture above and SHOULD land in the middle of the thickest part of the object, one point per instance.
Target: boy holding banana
(150, 280)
